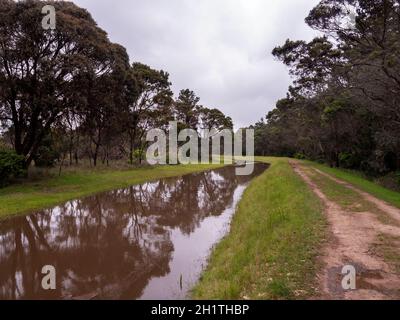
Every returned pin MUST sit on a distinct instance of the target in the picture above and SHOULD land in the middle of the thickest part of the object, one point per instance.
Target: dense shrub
(390, 181)
(349, 160)
(46, 157)
(139, 155)
(47, 154)
(11, 166)
(300, 156)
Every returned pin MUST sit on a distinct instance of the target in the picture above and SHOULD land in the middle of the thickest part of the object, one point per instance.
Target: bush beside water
(12, 166)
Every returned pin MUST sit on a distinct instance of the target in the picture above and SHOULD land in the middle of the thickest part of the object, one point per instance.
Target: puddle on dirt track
(148, 241)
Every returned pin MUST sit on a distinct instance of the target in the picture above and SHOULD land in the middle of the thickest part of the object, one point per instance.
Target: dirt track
(355, 238)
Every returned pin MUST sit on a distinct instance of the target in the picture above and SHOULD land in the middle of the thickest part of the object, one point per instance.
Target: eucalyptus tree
(102, 109)
(187, 110)
(40, 70)
(149, 104)
(344, 102)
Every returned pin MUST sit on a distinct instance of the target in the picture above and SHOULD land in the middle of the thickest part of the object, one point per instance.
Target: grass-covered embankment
(29, 196)
(270, 252)
(347, 198)
(357, 180)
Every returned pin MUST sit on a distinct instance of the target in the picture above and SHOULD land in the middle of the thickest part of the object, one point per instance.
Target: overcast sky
(220, 49)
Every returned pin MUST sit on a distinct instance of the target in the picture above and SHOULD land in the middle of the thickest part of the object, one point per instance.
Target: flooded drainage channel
(149, 241)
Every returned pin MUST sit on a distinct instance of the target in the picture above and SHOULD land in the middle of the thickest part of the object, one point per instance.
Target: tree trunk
(61, 164)
(76, 150)
(131, 141)
(95, 154)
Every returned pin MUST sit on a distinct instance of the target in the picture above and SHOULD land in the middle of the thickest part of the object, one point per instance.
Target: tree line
(70, 93)
(343, 105)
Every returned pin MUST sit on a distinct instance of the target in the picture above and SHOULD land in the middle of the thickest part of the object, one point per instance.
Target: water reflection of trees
(109, 245)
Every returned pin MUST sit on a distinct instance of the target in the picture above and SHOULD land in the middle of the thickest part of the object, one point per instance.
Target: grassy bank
(359, 181)
(350, 200)
(271, 249)
(29, 196)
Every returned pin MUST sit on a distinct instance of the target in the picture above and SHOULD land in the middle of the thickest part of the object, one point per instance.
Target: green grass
(347, 198)
(360, 182)
(388, 247)
(338, 193)
(270, 252)
(30, 196)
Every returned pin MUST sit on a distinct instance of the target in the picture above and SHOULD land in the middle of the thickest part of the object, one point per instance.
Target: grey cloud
(221, 49)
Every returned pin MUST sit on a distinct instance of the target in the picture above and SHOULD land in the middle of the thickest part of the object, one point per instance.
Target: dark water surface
(149, 241)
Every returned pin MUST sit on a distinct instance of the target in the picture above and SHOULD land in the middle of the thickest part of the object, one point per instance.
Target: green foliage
(46, 154)
(2, 144)
(60, 78)
(390, 181)
(11, 166)
(214, 119)
(187, 109)
(300, 156)
(92, 95)
(331, 110)
(343, 104)
(398, 178)
(139, 155)
(349, 160)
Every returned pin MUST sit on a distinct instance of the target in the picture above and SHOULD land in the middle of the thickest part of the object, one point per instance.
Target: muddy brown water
(149, 241)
